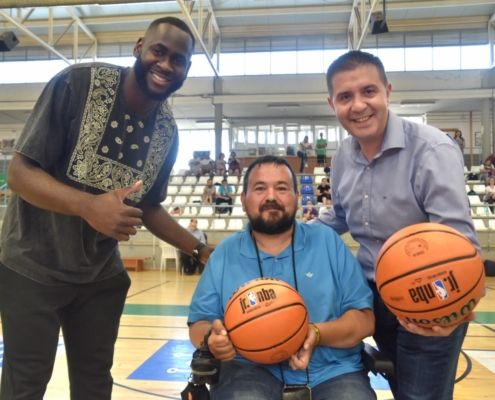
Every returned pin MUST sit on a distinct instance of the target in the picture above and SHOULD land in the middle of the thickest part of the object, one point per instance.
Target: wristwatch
(195, 252)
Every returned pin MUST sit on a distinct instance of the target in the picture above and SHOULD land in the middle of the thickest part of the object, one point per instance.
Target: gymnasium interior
(257, 86)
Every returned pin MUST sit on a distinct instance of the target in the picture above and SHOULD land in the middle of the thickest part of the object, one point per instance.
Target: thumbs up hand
(108, 214)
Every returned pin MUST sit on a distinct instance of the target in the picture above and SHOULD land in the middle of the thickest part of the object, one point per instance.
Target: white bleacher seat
(235, 224)
(190, 211)
(206, 211)
(181, 172)
(172, 190)
(479, 225)
(479, 189)
(218, 223)
(198, 189)
(184, 222)
(237, 200)
(217, 179)
(475, 169)
(467, 188)
(475, 201)
(168, 200)
(190, 180)
(185, 189)
(195, 199)
(244, 170)
(241, 180)
(238, 211)
(466, 171)
(239, 189)
(203, 179)
(232, 180)
(482, 211)
(180, 200)
(318, 178)
(491, 223)
(203, 224)
(177, 180)
(319, 171)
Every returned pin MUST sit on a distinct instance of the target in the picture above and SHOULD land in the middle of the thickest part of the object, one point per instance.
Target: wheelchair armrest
(376, 362)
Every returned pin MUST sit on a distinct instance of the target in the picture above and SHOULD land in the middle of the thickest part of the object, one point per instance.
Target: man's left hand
(300, 360)
(438, 331)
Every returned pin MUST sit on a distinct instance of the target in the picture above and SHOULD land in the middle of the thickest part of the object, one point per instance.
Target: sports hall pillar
(217, 84)
(486, 129)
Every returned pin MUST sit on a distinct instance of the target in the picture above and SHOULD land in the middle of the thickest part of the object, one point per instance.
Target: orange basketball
(266, 320)
(430, 274)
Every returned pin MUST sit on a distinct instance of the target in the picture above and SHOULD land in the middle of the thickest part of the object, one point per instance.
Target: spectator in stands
(486, 170)
(309, 212)
(175, 210)
(490, 192)
(337, 296)
(321, 150)
(194, 165)
(224, 195)
(290, 151)
(234, 167)
(459, 139)
(323, 191)
(220, 165)
(189, 264)
(491, 157)
(304, 148)
(208, 196)
(386, 176)
(75, 177)
(207, 165)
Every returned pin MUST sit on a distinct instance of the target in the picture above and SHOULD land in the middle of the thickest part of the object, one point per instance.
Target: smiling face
(270, 200)
(360, 101)
(162, 61)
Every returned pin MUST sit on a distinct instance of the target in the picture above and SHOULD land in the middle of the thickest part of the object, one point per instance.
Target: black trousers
(32, 315)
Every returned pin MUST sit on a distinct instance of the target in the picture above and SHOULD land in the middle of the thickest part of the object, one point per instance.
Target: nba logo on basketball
(252, 299)
(440, 290)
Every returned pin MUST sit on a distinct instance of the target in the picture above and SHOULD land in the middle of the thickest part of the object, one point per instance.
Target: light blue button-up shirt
(417, 176)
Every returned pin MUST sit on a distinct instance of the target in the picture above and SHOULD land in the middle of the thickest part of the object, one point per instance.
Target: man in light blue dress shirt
(388, 174)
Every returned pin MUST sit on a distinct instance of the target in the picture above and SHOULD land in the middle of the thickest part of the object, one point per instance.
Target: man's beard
(141, 73)
(272, 226)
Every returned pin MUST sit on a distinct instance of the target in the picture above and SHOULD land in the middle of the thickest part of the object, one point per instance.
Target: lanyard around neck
(295, 284)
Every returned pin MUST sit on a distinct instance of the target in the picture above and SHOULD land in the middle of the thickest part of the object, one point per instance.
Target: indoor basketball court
(153, 350)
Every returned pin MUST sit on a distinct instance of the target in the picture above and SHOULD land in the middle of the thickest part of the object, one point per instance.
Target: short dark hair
(175, 22)
(352, 60)
(268, 159)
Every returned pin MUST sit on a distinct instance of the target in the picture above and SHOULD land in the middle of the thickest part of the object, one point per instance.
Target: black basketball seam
(416, 233)
(282, 283)
(266, 313)
(278, 344)
(445, 305)
(428, 266)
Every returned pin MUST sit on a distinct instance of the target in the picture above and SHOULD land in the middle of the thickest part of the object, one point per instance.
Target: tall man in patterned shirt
(91, 164)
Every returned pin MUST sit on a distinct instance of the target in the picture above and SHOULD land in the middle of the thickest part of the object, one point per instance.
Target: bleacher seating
(203, 180)
(185, 189)
(307, 189)
(306, 180)
(198, 189)
(190, 180)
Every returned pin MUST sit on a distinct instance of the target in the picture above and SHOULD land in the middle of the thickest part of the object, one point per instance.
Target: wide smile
(362, 120)
(159, 79)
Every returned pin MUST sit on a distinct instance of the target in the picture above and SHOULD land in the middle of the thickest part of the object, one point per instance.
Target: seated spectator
(327, 207)
(490, 192)
(174, 210)
(224, 195)
(220, 165)
(208, 196)
(194, 166)
(234, 167)
(323, 191)
(309, 212)
(207, 165)
(338, 298)
(290, 151)
(486, 170)
(189, 263)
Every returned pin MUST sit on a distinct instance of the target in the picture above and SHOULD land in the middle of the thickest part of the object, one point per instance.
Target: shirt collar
(394, 137)
(249, 250)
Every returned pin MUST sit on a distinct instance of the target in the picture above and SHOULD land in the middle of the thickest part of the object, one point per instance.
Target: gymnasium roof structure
(74, 29)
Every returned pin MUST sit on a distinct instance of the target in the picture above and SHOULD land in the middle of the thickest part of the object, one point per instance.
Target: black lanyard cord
(295, 282)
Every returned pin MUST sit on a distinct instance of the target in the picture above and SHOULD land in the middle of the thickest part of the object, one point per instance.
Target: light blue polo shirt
(329, 279)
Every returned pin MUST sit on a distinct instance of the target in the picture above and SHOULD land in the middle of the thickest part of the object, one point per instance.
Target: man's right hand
(108, 214)
(219, 342)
